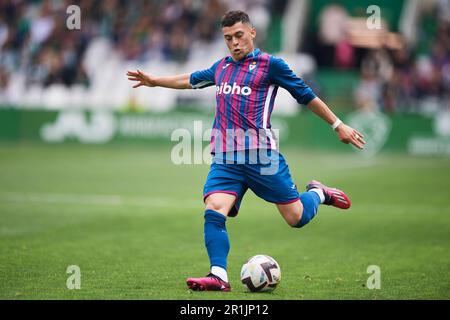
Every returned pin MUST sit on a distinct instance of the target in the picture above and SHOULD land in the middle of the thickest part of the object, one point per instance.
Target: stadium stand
(44, 65)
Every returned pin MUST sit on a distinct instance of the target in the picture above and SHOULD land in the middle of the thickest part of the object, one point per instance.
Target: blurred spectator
(412, 82)
(331, 32)
(443, 11)
(369, 91)
(33, 41)
(3, 84)
(42, 25)
(399, 89)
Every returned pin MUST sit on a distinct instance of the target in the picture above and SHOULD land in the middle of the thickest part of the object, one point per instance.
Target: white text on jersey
(226, 88)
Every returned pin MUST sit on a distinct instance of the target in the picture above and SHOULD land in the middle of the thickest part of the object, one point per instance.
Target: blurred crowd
(395, 75)
(34, 37)
(35, 41)
(400, 81)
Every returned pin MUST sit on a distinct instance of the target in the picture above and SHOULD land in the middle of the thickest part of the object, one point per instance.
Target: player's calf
(291, 212)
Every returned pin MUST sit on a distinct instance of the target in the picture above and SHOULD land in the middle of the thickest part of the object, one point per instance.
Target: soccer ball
(261, 273)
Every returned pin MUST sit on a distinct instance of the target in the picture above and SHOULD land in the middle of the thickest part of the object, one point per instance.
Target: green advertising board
(399, 133)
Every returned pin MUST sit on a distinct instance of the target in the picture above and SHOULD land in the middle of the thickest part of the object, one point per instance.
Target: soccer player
(246, 85)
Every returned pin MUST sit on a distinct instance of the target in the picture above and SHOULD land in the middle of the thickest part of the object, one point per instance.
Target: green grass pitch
(133, 222)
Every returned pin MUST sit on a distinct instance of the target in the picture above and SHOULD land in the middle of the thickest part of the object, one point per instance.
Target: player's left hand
(349, 135)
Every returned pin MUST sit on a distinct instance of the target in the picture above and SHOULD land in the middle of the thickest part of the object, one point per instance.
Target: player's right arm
(180, 81)
(195, 80)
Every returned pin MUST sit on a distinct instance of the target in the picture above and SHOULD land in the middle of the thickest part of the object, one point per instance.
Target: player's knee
(292, 213)
(299, 224)
(215, 206)
(212, 206)
(294, 218)
(295, 223)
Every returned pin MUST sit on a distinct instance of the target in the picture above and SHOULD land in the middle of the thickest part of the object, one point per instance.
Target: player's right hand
(144, 79)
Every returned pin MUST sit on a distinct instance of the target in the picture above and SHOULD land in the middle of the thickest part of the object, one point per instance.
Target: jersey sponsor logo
(226, 88)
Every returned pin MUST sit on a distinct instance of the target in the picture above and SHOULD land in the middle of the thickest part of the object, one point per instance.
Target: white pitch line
(61, 198)
(109, 200)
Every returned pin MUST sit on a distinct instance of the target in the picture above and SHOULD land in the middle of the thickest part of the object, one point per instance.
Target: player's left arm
(346, 133)
(280, 74)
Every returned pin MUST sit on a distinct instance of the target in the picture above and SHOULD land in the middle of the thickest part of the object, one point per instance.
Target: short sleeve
(280, 74)
(203, 78)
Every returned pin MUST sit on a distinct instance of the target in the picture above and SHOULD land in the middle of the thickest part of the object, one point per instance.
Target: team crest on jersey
(252, 66)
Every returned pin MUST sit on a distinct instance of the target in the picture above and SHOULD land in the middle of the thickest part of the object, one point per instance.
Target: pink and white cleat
(209, 283)
(333, 197)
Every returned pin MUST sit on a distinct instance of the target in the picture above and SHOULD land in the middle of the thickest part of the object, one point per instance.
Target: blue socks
(310, 201)
(216, 238)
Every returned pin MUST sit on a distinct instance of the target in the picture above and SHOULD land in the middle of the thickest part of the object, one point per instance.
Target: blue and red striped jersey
(245, 95)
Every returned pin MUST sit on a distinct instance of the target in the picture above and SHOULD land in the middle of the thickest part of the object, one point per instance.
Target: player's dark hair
(232, 17)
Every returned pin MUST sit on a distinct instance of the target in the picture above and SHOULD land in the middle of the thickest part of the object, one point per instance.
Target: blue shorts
(270, 181)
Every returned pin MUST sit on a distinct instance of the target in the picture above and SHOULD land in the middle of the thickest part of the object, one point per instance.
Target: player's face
(239, 39)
